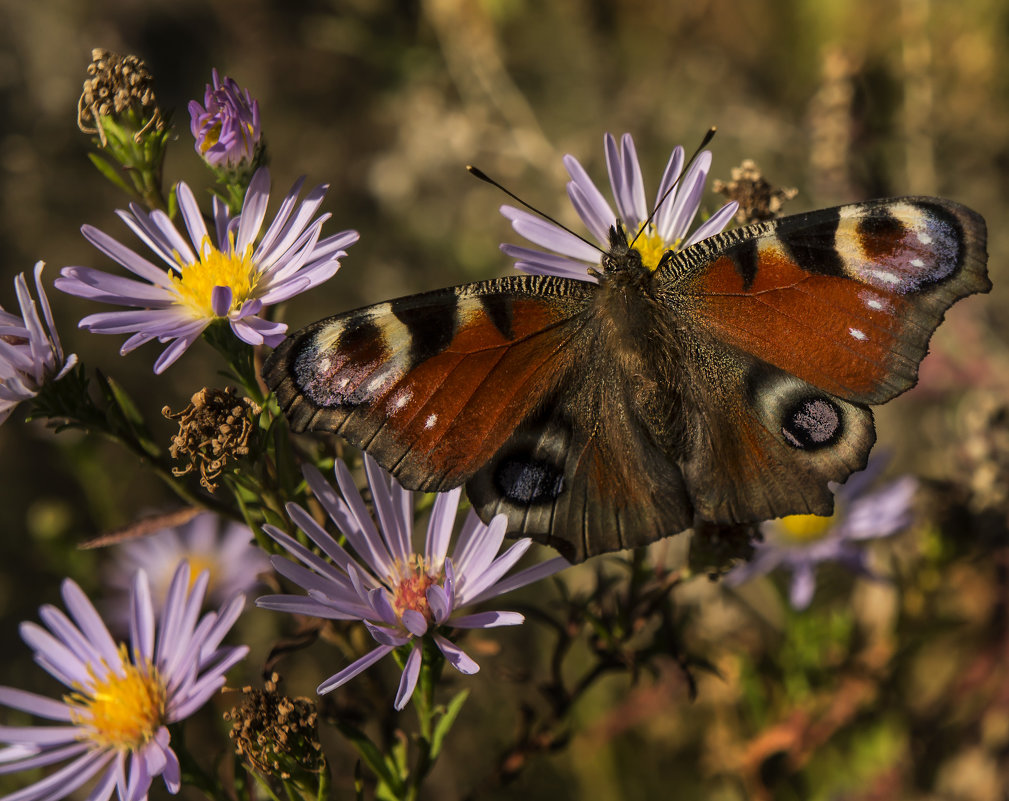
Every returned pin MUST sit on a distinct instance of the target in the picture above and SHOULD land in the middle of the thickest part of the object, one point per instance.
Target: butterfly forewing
(846, 298)
(432, 385)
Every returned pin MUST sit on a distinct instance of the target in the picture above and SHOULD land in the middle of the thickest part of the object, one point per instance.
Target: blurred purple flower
(572, 257)
(226, 552)
(30, 351)
(801, 542)
(113, 721)
(400, 595)
(227, 277)
(227, 131)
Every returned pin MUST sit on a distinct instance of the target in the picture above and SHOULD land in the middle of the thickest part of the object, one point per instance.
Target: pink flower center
(409, 588)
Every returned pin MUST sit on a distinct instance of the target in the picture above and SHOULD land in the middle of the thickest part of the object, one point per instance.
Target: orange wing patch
(829, 331)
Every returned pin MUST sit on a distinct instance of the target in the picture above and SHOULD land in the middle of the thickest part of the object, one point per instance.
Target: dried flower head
(213, 428)
(117, 84)
(277, 735)
(758, 200)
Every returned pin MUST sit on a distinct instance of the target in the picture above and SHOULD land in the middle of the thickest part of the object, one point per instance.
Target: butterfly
(729, 385)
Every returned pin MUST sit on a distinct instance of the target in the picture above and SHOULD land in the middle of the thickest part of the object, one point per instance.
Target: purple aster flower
(227, 553)
(30, 350)
(112, 723)
(400, 594)
(801, 542)
(227, 131)
(226, 276)
(571, 257)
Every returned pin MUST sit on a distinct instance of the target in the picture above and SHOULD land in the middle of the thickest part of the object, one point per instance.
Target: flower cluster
(226, 551)
(400, 594)
(30, 349)
(112, 723)
(231, 276)
(801, 542)
(676, 205)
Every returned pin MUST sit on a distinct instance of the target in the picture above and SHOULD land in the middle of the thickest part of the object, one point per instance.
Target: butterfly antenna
(478, 173)
(704, 143)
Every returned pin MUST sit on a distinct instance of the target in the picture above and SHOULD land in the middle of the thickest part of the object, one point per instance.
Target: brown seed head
(213, 428)
(758, 200)
(117, 84)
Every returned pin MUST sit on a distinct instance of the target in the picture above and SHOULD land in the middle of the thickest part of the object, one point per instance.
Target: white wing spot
(917, 263)
(402, 399)
(859, 335)
(924, 238)
(874, 304)
(884, 276)
(325, 364)
(342, 382)
(431, 420)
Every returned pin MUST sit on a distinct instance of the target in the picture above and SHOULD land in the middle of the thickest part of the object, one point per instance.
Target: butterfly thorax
(627, 287)
(638, 332)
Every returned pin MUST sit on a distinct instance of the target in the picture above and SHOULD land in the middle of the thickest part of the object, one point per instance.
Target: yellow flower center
(121, 712)
(198, 562)
(196, 281)
(210, 137)
(409, 587)
(805, 528)
(650, 245)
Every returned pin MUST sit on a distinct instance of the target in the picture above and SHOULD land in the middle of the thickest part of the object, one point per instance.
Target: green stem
(192, 773)
(265, 785)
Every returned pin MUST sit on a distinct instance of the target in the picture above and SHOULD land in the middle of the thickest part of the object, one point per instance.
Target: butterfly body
(731, 384)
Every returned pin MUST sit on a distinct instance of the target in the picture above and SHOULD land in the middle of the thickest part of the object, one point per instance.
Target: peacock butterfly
(730, 384)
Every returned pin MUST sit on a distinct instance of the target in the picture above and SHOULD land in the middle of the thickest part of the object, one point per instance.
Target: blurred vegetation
(896, 690)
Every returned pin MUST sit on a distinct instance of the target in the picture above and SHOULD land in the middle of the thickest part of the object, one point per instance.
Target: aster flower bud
(119, 105)
(228, 134)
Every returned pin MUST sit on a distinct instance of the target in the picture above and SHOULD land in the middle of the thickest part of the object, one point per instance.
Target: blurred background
(875, 692)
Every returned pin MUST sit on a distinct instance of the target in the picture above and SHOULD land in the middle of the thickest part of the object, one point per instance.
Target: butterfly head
(621, 257)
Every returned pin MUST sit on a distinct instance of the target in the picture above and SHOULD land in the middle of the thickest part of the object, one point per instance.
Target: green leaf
(173, 203)
(372, 757)
(131, 415)
(110, 172)
(444, 725)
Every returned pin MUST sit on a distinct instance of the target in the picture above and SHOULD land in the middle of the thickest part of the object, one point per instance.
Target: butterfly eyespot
(812, 423)
(528, 481)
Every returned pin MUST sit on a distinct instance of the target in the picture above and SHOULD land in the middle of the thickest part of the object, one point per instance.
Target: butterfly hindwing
(591, 471)
(764, 443)
(846, 298)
